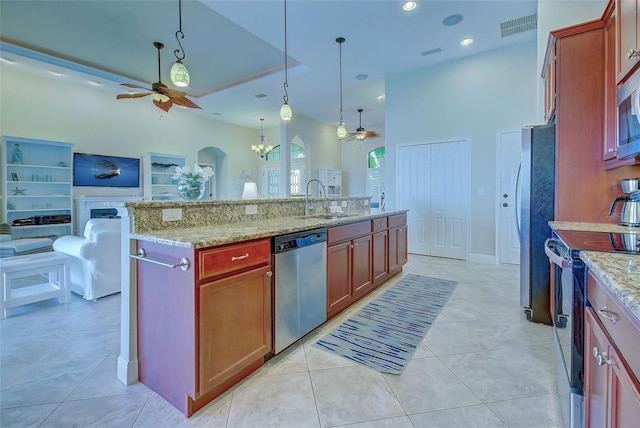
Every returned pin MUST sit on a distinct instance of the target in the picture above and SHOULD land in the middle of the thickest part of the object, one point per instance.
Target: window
(375, 185)
(297, 152)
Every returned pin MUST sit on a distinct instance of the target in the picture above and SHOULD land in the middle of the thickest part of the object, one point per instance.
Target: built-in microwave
(629, 117)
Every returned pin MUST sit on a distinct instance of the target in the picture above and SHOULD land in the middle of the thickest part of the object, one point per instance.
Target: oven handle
(549, 244)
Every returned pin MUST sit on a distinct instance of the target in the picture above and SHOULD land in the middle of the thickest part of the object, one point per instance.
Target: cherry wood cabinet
(362, 256)
(610, 140)
(612, 361)
(398, 249)
(628, 37)
(549, 76)
(203, 330)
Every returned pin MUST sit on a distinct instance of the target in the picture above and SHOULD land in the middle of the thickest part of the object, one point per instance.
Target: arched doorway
(216, 159)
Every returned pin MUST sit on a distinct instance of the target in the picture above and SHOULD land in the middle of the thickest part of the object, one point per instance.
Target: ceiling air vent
(430, 51)
(260, 95)
(519, 25)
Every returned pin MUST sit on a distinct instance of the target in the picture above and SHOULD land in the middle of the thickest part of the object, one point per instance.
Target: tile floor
(481, 365)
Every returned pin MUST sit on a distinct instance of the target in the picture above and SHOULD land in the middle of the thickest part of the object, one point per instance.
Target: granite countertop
(620, 273)
(207, 236)
(592, 227)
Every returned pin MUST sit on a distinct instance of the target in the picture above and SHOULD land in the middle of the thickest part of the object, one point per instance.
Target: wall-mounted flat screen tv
(105, 171)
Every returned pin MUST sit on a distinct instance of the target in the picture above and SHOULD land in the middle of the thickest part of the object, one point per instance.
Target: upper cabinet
(549, 76)
(628, 36)
(610, 140)
(37, 187)
(158, 169)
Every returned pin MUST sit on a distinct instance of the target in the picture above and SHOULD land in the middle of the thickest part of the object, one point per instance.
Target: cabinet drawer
(397, 220)
(379, 224)
(348, 231)
(220, 260)
(625, 334)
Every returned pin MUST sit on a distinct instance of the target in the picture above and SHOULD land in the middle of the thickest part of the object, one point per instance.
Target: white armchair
(94, 259)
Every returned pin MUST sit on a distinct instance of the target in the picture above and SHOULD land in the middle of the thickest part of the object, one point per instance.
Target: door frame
(498, 217)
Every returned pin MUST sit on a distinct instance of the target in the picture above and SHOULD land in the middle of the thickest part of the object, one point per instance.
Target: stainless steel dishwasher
(300, 272)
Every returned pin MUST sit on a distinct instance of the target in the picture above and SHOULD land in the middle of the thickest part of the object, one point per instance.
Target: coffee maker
(630, 211)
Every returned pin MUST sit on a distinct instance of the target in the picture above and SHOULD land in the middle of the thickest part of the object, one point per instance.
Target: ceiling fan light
(361, 134)
(179, 74)
(285, 112)
(342, 130)
(160, 97)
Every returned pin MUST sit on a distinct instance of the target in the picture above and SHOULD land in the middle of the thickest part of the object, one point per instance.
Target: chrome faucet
(306, 195)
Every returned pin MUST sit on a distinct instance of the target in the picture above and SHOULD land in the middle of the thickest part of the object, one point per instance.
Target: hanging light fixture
(285, 110)
(361, 134)
(342, 130)
(261, 149)
(179, 73)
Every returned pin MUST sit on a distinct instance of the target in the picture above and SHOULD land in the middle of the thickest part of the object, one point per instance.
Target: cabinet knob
(270, 273)
(611, 150)
(601, 357)
(632, 53)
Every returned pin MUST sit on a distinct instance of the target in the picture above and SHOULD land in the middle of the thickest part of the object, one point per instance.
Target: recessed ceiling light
(409, 5)
(381, 97)
(452, 20)
(362, 76)
(466, 42)
(56, 73)
(7, 60)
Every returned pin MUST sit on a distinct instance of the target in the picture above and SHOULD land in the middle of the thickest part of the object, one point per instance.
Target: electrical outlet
(172, 214)
(251, 209)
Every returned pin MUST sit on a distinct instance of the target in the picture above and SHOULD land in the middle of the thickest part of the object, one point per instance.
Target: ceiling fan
(163, 97)
(361, 134)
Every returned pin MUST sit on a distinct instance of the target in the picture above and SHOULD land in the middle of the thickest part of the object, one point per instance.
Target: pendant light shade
(361, 133)
(179, 73)
(342, 130)
(285, 111)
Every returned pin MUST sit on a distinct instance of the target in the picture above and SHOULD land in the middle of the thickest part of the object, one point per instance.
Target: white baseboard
(483, 258)
(127, 371)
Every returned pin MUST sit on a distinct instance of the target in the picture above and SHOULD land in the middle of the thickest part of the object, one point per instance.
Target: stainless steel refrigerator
(536, 200)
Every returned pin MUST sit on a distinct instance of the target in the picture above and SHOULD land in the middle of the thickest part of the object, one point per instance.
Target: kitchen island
(202, 324)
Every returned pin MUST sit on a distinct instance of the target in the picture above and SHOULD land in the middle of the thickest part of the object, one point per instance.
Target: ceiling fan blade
(138, 95)
(131, 85)
(163, 105)
(172, 92)
(185, 102)
(372, 134)
(350, 136)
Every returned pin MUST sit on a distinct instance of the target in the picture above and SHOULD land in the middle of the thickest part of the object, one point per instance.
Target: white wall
(96, 122)
(354, 164)
(469, 98)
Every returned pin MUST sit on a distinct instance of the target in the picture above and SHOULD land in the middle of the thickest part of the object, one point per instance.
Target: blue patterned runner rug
(386, 332)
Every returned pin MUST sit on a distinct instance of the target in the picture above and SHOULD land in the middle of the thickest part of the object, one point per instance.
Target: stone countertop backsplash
(593, 227)
(620, 273)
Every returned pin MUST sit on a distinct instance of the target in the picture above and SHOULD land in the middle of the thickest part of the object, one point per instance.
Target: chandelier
(261, 149)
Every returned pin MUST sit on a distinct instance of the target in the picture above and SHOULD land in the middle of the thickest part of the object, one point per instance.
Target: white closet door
(434, 184)
(414, 163)
(450, 199)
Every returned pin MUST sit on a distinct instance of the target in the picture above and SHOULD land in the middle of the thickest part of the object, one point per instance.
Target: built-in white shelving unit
(37, 194)
(332, 180)
(157, 169)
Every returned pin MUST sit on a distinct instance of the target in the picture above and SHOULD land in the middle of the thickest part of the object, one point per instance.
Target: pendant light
(179, 73)
(285, 110)
(361, 134)
(342, 130)
(261, 149)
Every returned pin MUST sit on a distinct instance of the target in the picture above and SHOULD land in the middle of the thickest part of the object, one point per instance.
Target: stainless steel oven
(629, 117)
(567, 305)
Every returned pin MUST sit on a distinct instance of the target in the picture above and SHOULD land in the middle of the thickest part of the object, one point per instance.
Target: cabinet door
(362, 276)
(624, 393)
(234, 325)
(596, 376)
(550, 87)
(627, 32)
(380, 255)
(338, 275)
(610, 140)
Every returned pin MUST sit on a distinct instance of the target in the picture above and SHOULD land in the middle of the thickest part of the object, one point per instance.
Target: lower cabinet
(361, 256)
(203, 330)
(612, 390)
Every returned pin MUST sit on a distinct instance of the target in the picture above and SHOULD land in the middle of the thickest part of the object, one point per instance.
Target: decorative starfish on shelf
(17, 191)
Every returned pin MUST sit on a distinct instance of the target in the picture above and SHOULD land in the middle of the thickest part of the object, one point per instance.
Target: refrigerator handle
(515, 205)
